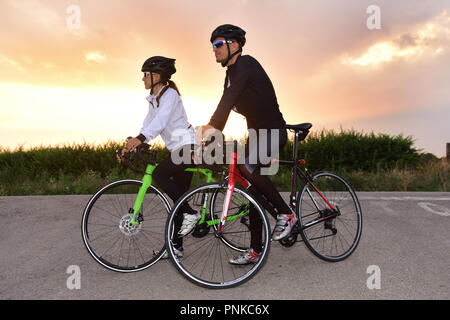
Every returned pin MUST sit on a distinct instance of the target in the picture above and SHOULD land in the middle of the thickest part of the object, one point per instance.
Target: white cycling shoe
(248, 257)
(284, 225)
(178, 253)
(189, 222)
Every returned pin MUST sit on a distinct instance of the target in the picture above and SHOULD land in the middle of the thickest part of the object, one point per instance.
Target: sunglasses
(147, 73)
(220, 43)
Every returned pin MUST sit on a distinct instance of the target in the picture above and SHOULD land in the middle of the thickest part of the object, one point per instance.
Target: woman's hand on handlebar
(132, 144)
(119, 155)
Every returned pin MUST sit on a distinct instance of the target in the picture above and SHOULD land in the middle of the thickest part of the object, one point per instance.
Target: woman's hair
(173, 86)
(168, 84)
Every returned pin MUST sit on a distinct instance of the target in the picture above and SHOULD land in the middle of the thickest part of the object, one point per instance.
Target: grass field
(368, 162)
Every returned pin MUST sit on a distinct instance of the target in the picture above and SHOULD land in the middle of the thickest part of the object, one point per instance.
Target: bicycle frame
(147, 182)
(302, 174)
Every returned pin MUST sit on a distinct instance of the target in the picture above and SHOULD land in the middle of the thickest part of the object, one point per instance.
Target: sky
(70, 69)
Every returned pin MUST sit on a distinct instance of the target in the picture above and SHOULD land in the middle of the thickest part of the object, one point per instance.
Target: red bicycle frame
(233, 175)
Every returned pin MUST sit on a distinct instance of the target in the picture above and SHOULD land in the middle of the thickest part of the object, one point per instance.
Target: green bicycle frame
(244, 210)
(147, 182)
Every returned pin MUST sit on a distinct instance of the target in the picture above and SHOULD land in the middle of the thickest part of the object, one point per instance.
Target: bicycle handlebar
(142, 153)
(146, 156)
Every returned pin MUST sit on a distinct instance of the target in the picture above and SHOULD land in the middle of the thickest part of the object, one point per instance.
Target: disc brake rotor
(126, 229)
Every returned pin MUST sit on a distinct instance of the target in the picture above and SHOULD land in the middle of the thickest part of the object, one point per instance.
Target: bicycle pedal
(290, 240)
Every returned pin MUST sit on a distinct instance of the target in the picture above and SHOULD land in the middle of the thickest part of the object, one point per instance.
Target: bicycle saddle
(299, 127)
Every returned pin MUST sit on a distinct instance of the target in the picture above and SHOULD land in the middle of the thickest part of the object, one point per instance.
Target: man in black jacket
(249, 91)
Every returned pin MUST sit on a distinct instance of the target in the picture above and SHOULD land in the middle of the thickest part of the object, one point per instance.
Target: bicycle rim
(332, 239)
(205, 260)
(108, 237)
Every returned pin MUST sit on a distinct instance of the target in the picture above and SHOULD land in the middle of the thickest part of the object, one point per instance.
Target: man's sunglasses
(220, 43)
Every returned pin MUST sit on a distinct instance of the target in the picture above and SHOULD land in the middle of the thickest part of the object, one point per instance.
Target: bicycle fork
(233, 175)
(136, 218)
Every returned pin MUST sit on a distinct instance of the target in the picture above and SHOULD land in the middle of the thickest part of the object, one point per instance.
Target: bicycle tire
(205, 260)
(333, 239)
(109, 239)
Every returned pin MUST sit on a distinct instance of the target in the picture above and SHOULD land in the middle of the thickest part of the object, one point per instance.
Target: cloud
(429, 39)
(95, 57)
(6, 62)
(326, 66)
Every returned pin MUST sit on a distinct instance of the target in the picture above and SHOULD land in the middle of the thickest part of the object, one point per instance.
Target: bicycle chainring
(201, 230)
(290, 240)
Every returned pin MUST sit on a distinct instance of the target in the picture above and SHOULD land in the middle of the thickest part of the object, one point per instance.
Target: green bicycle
(123, 223)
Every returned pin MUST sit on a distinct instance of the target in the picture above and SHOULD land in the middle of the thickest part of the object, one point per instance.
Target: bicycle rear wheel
(331, 235)
(205, 260)
(108, 237)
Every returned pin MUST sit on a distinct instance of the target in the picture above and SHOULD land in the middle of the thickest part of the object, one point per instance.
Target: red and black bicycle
(328, 211)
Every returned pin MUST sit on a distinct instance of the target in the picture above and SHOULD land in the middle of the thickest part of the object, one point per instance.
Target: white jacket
(169, 120)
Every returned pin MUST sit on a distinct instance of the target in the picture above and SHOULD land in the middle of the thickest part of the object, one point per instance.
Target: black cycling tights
(174, 181)
(261, 185)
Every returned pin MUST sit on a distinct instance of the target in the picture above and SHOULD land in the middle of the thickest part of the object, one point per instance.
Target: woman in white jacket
(167, 117)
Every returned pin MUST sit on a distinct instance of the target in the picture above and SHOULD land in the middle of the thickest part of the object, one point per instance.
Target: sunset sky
(64, 84)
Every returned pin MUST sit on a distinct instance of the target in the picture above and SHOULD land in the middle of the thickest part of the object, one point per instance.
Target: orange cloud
(429, 39)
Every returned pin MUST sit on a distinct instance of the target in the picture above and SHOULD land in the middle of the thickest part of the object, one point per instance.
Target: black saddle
(299, 127)
(302, 129)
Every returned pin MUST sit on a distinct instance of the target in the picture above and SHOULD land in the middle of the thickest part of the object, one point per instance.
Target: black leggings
(263, 186)
(174, 181)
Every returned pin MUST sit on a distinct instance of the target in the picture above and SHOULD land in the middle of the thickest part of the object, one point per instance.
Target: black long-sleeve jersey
(248, 88)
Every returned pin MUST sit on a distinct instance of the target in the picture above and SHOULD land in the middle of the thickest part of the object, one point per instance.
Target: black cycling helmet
(229, 31)
(162, 65)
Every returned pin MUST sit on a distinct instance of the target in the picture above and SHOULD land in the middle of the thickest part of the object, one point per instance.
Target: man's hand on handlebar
(202, 133)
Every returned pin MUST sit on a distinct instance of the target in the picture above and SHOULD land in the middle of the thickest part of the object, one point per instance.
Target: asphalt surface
(404, 253)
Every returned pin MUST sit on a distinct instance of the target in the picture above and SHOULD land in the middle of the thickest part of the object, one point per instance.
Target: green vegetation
(369, 162)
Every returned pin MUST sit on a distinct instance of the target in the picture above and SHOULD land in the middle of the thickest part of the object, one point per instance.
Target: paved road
(405, 241)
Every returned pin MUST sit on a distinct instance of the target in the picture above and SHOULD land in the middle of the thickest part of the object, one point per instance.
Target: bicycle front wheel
(206, 258)
(330, 217)
(106, 232)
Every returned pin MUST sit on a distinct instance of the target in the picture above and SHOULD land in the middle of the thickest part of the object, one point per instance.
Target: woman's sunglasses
(220, 43)
(147, 73)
